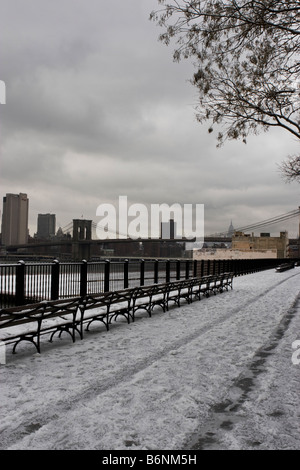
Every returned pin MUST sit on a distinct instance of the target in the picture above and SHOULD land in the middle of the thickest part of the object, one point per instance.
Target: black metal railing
(22, 283)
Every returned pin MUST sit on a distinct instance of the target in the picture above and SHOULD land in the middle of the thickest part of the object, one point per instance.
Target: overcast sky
(97, 109)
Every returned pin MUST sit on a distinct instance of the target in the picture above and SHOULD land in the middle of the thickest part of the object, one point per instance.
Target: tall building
(230, 230)
(15, 219)
(46, 225)
(168, 229)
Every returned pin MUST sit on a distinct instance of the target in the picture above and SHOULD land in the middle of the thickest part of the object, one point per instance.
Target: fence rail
(23, 283)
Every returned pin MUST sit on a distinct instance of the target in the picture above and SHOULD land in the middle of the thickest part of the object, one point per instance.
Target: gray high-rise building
(46, 225)
(168, 229)
(15, 219)
(230, 230)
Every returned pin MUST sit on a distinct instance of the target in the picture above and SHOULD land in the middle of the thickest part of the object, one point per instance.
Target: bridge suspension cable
(267, 222)
(68, 228)
(272, 221)
(106, 230)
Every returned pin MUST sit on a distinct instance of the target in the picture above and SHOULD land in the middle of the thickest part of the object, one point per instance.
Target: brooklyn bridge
(78, 240)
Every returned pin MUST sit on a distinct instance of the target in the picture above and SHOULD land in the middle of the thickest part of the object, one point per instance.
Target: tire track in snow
(55, 411)
(224, 414)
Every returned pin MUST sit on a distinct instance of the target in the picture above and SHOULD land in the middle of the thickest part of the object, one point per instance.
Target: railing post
(202, 268)
(142, 272)
(83, 278)
(236, 267)
(156, 272)
(126, 263)
(214, 266)
(168, 267)
(20, 283)
(55, 280)
(195, 274)
(178, 270)
(221, 266)
(106, 275)
(187, 269)
(208, 266)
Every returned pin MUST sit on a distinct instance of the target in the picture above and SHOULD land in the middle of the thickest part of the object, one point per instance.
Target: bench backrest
(105, 299)
(23, 314)
(142, 292)
(14, 316)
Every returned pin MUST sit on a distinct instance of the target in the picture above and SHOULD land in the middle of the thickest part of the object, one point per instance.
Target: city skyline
(290, 220)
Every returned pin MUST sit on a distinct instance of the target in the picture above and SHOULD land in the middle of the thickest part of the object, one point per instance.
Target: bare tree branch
(290, 169)
(246, 56)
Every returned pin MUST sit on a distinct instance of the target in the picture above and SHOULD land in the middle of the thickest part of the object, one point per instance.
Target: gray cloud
(96, 109)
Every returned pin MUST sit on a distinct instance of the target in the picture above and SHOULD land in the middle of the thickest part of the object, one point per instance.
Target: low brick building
(247, 243)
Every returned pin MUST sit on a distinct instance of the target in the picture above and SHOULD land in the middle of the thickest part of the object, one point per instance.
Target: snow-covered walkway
(215, 374)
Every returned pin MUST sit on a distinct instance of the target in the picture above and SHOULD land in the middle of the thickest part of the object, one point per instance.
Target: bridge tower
(82, 235)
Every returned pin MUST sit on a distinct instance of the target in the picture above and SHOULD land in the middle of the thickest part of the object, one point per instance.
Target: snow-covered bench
(105, 307)
(203, 286)
(211, 284)
(147, 297)
(284, 267)
(178, 290)
(30, 322)
(227, 280)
